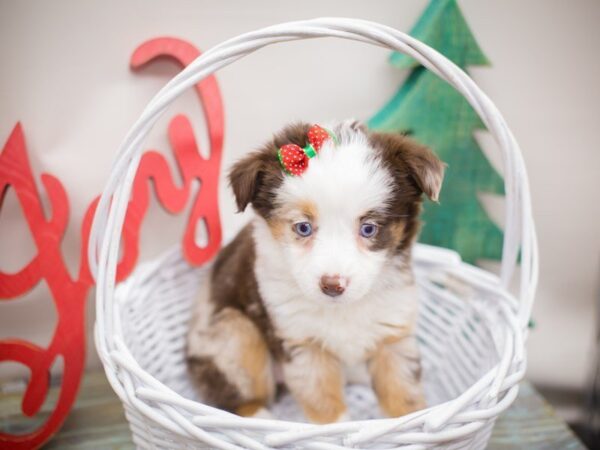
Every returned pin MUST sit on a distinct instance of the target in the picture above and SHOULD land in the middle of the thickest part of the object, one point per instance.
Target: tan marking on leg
(236, 363)
(315, 378)
(256, 362)
(395, 373)
(390, 340)
(398, 332)
(254, 358)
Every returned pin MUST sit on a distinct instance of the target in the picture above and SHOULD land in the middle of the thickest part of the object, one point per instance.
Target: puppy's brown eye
(368, 230)
(303, 229)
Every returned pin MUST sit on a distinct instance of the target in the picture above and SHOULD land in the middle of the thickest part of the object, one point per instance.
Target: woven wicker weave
(471, 329)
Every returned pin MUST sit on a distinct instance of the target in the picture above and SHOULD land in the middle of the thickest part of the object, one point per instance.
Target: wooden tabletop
(97, 421)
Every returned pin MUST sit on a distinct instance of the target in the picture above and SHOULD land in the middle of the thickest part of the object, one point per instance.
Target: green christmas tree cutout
(436, 115)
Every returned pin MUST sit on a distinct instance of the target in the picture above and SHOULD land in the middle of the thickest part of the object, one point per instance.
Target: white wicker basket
(471, 329)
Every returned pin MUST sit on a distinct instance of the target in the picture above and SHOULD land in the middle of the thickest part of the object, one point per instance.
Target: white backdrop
(65, 76)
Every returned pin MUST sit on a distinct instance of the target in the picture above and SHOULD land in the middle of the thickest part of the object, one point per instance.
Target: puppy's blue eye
(303, 229)
(368, 230)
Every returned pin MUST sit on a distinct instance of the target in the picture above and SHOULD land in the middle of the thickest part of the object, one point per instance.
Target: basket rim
(104, 241)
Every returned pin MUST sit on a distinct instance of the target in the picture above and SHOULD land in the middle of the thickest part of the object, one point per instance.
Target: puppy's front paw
(253, 409)
(397, 401)
(325, 409)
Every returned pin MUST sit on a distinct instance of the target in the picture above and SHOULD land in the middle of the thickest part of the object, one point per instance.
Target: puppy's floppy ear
(426, 167)
(405, 154)
(244, 179)
(255, 178)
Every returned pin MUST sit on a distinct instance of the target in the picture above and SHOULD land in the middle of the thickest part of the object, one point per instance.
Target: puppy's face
(349, 215)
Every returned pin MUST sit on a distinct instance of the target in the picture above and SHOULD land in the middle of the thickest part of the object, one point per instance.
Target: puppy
(320, 282)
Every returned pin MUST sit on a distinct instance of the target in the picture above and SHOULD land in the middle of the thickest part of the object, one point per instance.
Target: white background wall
(65, 76)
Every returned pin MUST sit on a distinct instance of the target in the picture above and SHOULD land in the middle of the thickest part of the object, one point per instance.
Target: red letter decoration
(48, 265)
(153, 166)
(68, 294)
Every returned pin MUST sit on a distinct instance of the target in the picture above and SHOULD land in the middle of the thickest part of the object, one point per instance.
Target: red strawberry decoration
(316, 136)
(294, 159)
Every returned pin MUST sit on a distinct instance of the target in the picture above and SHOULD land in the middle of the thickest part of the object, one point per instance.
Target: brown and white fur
(269, 302)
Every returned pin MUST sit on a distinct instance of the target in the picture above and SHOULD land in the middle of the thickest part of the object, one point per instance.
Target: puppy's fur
(264, 304)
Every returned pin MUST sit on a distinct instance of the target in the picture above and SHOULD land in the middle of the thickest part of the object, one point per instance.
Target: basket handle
(103, 249)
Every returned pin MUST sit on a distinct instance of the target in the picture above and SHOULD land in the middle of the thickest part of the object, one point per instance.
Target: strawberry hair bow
(294, 159)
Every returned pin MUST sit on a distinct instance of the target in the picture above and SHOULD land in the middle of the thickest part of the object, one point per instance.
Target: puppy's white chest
(349, 331)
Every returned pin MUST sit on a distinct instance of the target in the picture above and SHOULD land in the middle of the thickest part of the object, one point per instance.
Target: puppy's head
(353, 210)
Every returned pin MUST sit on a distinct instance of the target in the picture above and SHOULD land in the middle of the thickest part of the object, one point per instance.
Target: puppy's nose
(332, 285)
